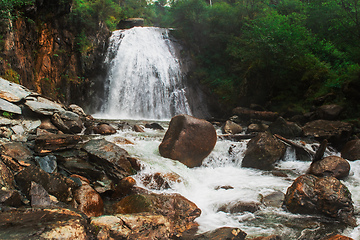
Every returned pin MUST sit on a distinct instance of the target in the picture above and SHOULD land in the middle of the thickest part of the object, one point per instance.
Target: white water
(222, 168)
(144, 78)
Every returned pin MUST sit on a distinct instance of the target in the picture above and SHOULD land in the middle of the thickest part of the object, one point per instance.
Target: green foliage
(8, 6)
(7, 114)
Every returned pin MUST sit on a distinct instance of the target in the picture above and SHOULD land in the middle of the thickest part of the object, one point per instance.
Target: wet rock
(160, 181)
(246, 114)
(285, 129)
(231, 128)
(224, 233)
(39, 196)
(6, 177)
(239, 207)
(44, 107)
(76, 109)
(6, 106)
(87, 200)
(43, 224)
(336, 237)
(335, 132)
(154, 126)
(52, 142)
(320, 151)
(263, 151)
(122, 141)
(68, 122)
(55, 184)
(272, 237)
(351, 150)
(275, 199)
(12, 92)
(180, 211)
(329, 112)
(10, 198)
(47, 163)
(226, 187)
(138, 128)
(330, 166)
(134, 226)
(188, 140)
(310, 194)
(112, 158)
(104, 129)
(257, 127)
(124, 188)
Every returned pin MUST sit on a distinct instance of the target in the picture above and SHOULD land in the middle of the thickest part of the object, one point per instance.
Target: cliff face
(41, 50)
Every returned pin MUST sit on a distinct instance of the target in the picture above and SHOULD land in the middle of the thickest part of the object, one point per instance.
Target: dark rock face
(112, 158)
(223, 233)
(55, 142)
(155, 126)
(246, 114)
(180, 211)
(309, 194)
(54, 184)
(43, 224)
(330, 166)
(240, 207)
(188, 140)
(329, 112)
(10, 198)
(335, 132)
(263, 151)
(131, 22)
(285, 128)
(351, 150)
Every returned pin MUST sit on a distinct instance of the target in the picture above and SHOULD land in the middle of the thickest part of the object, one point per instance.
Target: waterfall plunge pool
(204, 186)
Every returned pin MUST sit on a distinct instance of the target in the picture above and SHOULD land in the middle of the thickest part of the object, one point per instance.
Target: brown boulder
(17, 151)
(330, 166)
(351, 150)
(180, 211)
(309, 194)
(160, 181)
(263, 151)
(335, 132)
(104, 129)
(87, 200)
(231, 128)
(336, 237)
(188, 140)
(138, 128)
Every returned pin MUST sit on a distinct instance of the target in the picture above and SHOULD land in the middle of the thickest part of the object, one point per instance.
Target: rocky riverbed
(62, 178)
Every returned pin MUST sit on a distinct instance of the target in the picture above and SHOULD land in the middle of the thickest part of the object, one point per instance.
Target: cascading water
(144, 79)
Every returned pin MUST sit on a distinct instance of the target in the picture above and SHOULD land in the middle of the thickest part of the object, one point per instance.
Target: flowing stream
(221, 180)
(145, 82)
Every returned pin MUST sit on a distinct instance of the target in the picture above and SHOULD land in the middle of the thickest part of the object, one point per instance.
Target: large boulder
(351, 150)
(188, 140)
(113, 159)
(180, 211)
(285, 128)
(332, 165)
(309, 194)
(335, 132)
(67, 122)
(104, 129)
(263, 151)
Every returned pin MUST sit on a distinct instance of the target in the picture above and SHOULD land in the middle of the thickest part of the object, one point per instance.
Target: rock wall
(41, 51)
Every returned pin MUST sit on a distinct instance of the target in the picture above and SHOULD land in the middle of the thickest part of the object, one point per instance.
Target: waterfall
(144, 79)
